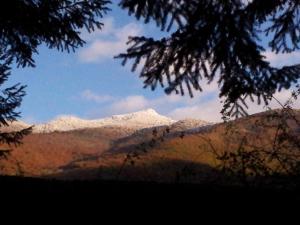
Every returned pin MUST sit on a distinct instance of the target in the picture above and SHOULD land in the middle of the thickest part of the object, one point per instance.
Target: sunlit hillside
(165, 154)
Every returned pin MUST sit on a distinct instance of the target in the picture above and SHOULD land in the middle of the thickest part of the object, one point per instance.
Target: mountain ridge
(137, 120)
(140, 119)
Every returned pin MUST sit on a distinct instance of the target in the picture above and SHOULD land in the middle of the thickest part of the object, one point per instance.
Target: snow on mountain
(134, 121)
(14, 126)
(189, 124)
(192, 126)
(142, 119)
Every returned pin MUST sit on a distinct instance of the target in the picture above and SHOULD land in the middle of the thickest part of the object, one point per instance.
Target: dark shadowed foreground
(92, 202)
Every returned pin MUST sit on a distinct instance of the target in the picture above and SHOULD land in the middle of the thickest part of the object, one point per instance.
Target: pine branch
(216, 40)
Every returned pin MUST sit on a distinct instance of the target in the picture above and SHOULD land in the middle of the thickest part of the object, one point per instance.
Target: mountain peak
(150, 111)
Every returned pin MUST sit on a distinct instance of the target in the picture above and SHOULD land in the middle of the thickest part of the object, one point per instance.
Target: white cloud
(283, 97)
(202, 106)
(135, 103)
(209, 108)
(129, 104)
(165, 104)
(107, 30)
(91, 96)
(282, 59)
(109, 42)
(205, 106)
(209, 111)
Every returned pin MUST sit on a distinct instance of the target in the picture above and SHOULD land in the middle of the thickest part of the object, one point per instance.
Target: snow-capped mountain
(142, 119)
(191, 125)
(134, 121)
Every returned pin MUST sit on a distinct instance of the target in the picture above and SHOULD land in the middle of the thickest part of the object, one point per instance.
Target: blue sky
(91, 84)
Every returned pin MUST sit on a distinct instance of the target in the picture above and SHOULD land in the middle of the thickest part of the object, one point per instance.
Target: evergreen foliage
(220, 40)
(26, 24)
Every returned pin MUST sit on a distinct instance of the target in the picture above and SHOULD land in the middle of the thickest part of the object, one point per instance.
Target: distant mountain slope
(44, 153)
(57, 145)
(189, 125)
(160, 149)
(178, 157)
(164, 153)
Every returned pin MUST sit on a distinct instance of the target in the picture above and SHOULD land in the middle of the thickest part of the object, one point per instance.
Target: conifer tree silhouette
(26, 24)
(216, 40)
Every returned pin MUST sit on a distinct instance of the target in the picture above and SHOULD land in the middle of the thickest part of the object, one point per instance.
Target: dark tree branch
(216, 40)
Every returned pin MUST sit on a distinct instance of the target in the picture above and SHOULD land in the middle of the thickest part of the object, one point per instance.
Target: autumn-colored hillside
(163, 154)
(43, 154)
